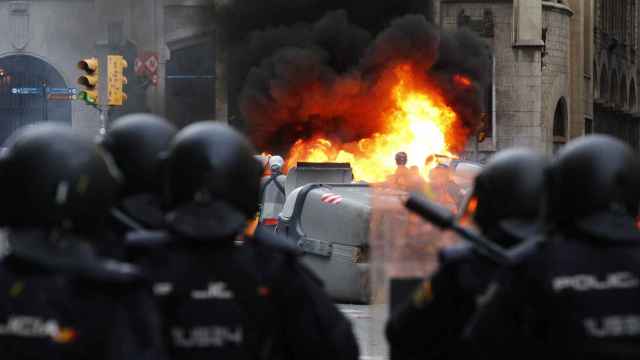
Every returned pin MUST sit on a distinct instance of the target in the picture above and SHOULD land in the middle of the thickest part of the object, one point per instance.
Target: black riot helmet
(593, 174)
(136, 142)
(508, 194)
(211, 173)
(56, 178)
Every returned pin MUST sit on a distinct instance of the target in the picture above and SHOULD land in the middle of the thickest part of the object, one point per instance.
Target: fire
(419, 122)
(462, 81)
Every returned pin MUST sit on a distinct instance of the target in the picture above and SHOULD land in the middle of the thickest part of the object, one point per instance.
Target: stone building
(616, 73)
(541, 95)
(42, 42)
(561, 68)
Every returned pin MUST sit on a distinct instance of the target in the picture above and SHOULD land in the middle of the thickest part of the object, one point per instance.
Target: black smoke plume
(297, 69)
(237, 19)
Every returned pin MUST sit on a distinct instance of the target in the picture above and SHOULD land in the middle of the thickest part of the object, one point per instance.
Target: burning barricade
(342, 199)
(338, 222)
(410, 89)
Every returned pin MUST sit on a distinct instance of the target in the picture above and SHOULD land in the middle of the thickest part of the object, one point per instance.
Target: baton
(446, 220)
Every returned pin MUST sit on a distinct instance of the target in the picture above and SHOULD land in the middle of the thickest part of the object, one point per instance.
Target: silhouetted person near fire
(401, 159)
(442, 189)
(406, 178)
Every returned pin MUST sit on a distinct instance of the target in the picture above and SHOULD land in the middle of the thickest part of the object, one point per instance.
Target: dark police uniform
(58, 299)
(508, 193)
(222, 300)
(431, 324)
(577, 297)
(248, 301)
(136, 215)
(136, 142)
(68, 307)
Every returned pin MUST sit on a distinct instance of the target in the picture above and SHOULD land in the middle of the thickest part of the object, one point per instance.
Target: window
(588, 126)
(190, 79)
(613, 92)
(560, 125)
(632, 96)
(489, 114)
(618, 20)
(25, 71)
(604, 84)
(490, 101)
(622, 99)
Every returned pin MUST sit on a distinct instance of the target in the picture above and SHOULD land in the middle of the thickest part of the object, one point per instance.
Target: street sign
(66, 91)
(26, 91)
(152, 64)
(147, 65)
(60, 94)
(139, 67)
(61, 97)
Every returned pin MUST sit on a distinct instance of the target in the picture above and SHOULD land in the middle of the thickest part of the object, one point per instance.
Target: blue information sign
(26, 91)
(67, 91)
(38, 91)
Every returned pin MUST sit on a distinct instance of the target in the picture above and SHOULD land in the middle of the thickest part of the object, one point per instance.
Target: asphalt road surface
(368, 323)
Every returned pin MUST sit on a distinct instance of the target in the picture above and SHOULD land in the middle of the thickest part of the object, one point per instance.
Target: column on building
(526, 127)
(527, 22)
(579, 70)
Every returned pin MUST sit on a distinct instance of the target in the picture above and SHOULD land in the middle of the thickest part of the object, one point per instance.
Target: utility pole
(103, 112)
(45, 102)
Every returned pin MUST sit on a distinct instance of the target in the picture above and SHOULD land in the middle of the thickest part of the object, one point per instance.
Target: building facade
(168, 44)
(561, 68)
(541, 94)
(616, 109)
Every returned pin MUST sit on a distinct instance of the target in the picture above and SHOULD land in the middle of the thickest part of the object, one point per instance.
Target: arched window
(596, 85)
(622, 99)
(604, 83)
(25, 71)
(614, 88)
(632, 96)
(560, 124)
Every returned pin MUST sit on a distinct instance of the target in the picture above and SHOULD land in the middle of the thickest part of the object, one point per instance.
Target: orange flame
(469, 211)
(462, 81)
(419, 123)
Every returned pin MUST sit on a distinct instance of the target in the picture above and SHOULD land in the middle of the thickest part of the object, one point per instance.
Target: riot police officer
(577, 296)
(506, 206)
(272, 193)
(136, 143)
(58, 300)
(229, 301)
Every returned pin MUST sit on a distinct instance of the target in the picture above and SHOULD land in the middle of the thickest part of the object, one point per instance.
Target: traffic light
(116, 80)
(89, 80)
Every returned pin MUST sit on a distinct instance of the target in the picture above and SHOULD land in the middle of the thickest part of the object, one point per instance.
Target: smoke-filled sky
(287, 58)
(238, 18)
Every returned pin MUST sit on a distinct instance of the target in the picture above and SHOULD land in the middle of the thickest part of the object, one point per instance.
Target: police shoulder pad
(270, 239)
(69, 254)
(455, 253)
(109, 270)
(520, 253)
(147, 238)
